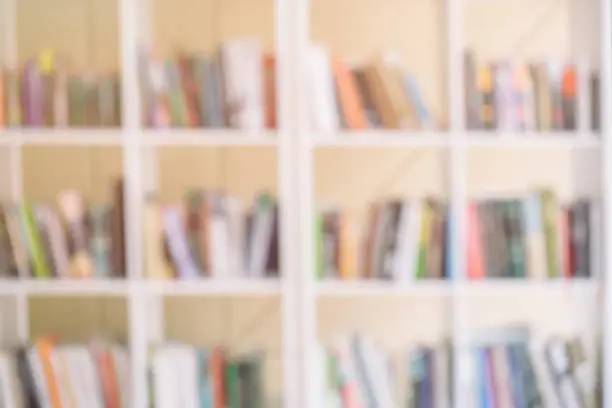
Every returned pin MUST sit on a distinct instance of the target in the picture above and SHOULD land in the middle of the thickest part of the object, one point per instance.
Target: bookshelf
(296, 146)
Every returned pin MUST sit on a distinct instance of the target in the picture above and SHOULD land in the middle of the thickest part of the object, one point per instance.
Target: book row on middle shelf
(533, 236)
(207, 235)
(234, 87)
(210, 234)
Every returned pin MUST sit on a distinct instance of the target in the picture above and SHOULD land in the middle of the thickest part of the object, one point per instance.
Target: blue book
(204, 382)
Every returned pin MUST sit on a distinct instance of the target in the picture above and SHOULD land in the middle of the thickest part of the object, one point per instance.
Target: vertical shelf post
(606, 163)
(129, 18)
(8, 15)
(303, 172)
(458, 197)
(286, 44)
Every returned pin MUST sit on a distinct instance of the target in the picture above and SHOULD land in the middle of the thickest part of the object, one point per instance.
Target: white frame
(295, 146)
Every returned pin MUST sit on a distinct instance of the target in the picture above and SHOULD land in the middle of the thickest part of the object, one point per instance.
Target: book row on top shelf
(234, 87)
(533, 237)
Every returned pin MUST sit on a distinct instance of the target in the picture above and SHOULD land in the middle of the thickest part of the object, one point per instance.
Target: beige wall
(86, 30)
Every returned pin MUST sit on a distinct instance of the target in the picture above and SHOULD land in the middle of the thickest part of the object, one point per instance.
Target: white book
(7, 397)
(165, 382)
(122, 368)
(402, 251)
(243, 69)
(186, 366)
(324, 113)
(38, 375)
(236, 230)
(220, 239)
(62, 377)
(414, 237)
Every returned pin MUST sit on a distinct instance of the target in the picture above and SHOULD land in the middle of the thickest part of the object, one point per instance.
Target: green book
(550, 215)
(232, 385)
(427, 217)
(37, 252)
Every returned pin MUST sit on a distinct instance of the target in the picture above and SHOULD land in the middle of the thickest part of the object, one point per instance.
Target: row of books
(535, 236)
(48, 375)
(505, 370)
(44, 93)
(403, 240)
(376, 94)
(234, 87)
(503, 95)
(185, 376)
(65, 239)
(211, 234)
(532, 236)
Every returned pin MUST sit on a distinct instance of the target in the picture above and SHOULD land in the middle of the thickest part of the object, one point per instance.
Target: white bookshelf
(296, 146)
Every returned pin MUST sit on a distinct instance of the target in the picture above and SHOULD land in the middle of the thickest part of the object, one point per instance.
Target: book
(533, 236)
(67, 239)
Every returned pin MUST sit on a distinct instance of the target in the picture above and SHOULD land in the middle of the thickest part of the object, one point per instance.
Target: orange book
(348, 243)
(349, 99)
(217, 374)
(45, 350)
(476, 269)
(269, 90)
(108, 376)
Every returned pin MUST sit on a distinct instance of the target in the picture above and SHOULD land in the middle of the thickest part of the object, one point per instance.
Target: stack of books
(376, 94)
(212, 235)
(45, 93)
(534, 236)
(403, 241)
(66, 239)
(508, 96)
(49, 375)
(185, 376)
(235, 87)
(505, 367)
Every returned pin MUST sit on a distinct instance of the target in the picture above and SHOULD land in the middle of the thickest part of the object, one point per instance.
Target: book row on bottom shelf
(545, 96)
(530, 236)
(507, 368)
(46, 374)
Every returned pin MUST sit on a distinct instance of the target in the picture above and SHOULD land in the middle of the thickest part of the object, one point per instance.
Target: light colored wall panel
(48, 170)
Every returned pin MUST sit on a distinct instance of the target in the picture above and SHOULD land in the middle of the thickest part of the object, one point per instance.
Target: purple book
(33, 95)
